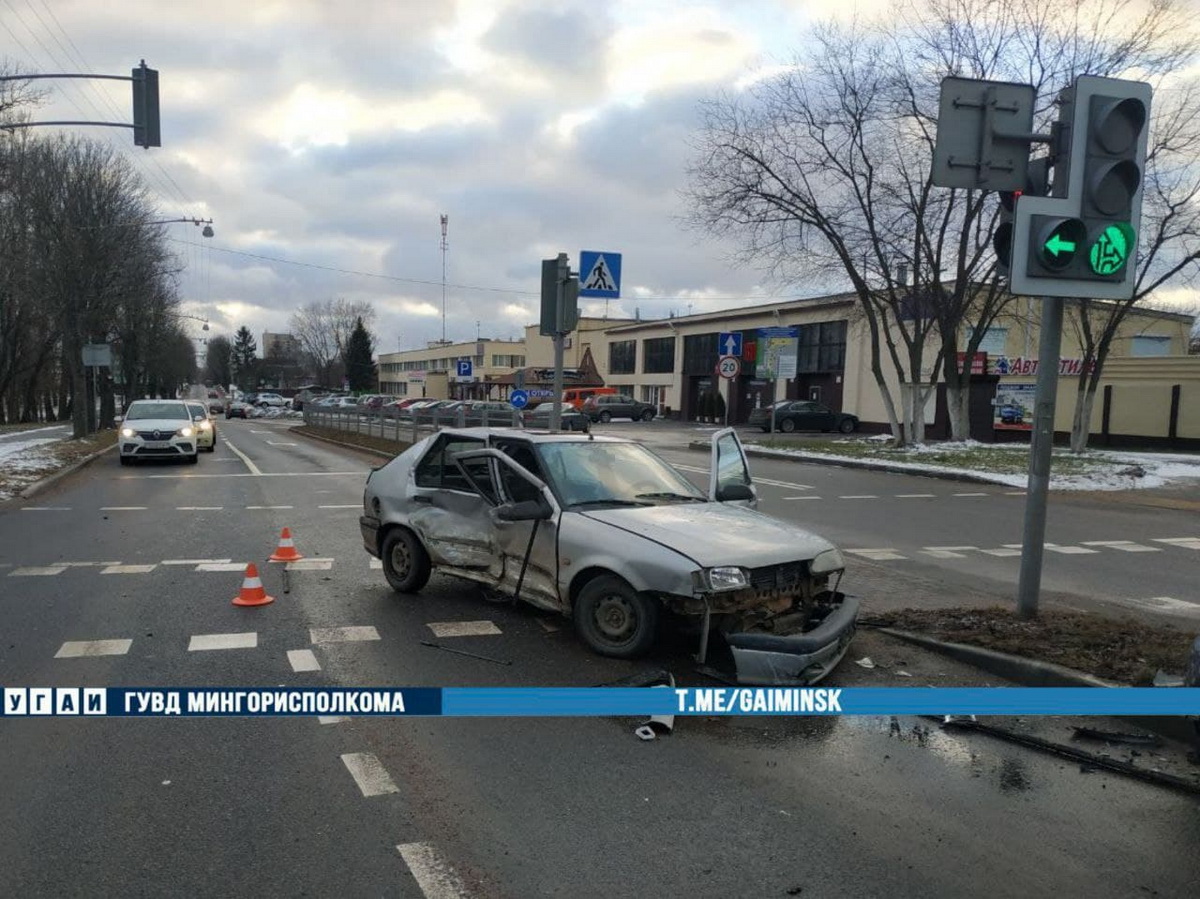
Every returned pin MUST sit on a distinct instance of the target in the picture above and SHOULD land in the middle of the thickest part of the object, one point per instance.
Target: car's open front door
(729, 475)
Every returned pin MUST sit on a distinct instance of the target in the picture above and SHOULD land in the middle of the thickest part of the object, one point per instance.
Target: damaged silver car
(605, 531)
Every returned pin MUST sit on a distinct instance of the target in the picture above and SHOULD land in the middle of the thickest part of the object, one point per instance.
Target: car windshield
(593, 473)
(142, 411)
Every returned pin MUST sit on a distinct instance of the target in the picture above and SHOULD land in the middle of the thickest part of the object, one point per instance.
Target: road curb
(1032, 673)
(50, 480)
(842, 462)
(353, 446)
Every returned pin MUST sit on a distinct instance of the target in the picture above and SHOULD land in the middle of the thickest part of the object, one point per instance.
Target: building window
(700, 353)
(994, 342)
(653, 393)
(509, 361)
(622, 357)
(822, 347)
(1150, 345)
(658, 357)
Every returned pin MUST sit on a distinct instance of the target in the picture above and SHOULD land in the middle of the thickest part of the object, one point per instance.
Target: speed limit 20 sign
(729, 367)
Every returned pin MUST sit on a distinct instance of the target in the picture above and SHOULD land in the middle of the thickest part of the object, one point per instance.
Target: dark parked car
(238, 410)
(539, 418)
(803, 415)
(606, 407)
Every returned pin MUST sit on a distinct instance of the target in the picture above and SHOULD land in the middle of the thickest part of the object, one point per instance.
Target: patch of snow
(11, 434)
(7, 450)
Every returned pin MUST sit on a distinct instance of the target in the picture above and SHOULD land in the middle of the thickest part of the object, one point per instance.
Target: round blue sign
(519, 399)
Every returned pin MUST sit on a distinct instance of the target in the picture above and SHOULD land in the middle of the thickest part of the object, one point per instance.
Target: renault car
(158, 429)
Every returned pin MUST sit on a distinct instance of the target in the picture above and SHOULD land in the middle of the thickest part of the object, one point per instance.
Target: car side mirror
(733, 492)
(527, 510)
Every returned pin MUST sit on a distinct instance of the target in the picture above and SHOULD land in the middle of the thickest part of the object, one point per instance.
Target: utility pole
(445, 222)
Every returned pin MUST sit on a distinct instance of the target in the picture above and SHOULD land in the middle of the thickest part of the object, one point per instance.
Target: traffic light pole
(564, 272)
(1041, 446)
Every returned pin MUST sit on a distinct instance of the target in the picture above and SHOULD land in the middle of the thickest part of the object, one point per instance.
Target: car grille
(156, 435)
(158, 450)
(778, 577)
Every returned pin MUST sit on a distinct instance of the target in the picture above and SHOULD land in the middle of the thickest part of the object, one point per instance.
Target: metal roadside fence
(390, 424)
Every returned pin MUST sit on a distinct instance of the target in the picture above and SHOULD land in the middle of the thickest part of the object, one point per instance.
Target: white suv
(270, 399)
(157, 429)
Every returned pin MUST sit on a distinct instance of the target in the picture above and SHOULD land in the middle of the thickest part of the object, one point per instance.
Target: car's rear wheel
(787, 425)
(405, 562)
(615, 620)
(647, 414)
(606, 416)
(847, 426)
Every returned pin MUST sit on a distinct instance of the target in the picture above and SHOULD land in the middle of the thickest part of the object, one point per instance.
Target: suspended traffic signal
(146, 130)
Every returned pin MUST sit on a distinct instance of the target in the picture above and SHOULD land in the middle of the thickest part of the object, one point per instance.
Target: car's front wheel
(787, 425)
(647, 415)
(606, 416)
(615, 620)
(847, 426)
(405, 562)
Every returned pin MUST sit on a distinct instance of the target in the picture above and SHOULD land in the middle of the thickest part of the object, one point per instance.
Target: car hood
(156, 424)
(718, 533)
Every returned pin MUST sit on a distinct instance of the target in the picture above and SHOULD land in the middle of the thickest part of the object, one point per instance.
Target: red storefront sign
(978, 363)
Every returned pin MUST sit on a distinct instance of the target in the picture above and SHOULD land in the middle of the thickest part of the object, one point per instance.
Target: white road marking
(310, 565)
(331, 719)
(38, 571)
(971, 494)
(203, 642)
(1127, 546)
(221, 566)
(83, 648)
(1164, 604)
(303, 660)
(269, 507)
(342, 634)
(254, 474)
(787, 485)
(798, 497)
(122, 508)
(252, 431)
(860, 496)
(1070, 550)
(249, 464)
(195, 561)
(370, 775)
(1002, 552)
(128, 569)
(942, 554)
(1188, 542)
(914, 496)
(45, 508)
(433, 874)
(1014, 492)
(273, 443)
(463, 628)
(377, 564)
(89, 564)
(347, 506)
(878, 555)
(199, 508)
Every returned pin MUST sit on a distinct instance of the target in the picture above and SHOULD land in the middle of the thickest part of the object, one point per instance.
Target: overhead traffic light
(1084, 244)
(146, 130)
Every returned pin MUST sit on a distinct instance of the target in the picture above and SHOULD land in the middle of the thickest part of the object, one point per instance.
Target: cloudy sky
(336, 134)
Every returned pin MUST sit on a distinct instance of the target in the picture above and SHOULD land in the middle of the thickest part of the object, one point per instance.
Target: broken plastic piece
(645, 732)
(864, 662)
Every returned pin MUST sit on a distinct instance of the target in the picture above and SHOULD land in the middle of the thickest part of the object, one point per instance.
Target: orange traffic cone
(252, 592)
(287, 550)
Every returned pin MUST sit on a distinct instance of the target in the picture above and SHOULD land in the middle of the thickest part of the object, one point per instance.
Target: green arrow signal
(1056, 244)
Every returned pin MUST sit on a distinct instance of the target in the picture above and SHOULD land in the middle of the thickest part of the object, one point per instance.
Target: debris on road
(463, 652)
(864, 662)
(1108, 736)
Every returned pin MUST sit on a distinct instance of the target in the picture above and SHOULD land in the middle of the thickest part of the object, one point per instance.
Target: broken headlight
(829, 561)
(727, 577)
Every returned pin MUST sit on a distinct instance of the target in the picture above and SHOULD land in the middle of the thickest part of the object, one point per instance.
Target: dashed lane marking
(310, 565)
(37, 571)
(221, 566)
(860, 496)
(86, 648)
(1070, 550)
(90, 564)
(196, 561)
(1127, 546)
(303, 660)
(798, 497)
(269, 507)
(273, 443)
(128, 569)
(1006, 551)
(1188, 542)
(915, 496)
(199, 508)
(342, 634)
(947, 552)
(433, 874)
(1014, 492)
(971, 494)
(369, 774)
(244, 474)
(204, 642)
(45, 508)
(347, 506)
(463, 628)
(122, 508)
(878, 555)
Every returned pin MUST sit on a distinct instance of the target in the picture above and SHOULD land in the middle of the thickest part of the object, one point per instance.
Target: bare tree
(323, 329)
(822, 172)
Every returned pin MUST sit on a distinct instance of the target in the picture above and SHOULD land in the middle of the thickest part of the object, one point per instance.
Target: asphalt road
(518, 807)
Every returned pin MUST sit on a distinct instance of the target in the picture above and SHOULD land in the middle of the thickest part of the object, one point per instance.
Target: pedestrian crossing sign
(599, 274)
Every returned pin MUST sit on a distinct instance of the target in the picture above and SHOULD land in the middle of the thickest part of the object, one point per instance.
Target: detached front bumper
(795, 660)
